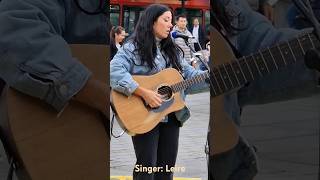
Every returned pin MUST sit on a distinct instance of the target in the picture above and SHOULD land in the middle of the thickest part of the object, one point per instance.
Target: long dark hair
(145, 41)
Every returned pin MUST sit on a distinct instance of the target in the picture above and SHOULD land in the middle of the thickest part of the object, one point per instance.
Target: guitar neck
(235, 74)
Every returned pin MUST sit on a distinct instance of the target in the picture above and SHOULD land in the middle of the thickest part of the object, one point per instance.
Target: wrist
(140, 91)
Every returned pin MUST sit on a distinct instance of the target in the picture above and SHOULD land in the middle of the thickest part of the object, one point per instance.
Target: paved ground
(286, 135)
(191, 147)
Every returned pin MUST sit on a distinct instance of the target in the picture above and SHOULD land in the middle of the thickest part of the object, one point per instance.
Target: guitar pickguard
(164, 105)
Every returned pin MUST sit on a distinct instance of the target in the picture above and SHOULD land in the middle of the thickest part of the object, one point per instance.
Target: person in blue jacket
(248, 31)
(34, 54)
(148, 51)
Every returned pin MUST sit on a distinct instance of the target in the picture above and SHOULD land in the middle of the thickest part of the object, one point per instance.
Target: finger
(154, 105)
(158, 101)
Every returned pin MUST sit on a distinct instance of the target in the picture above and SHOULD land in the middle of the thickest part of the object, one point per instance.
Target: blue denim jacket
(34, 52)
(127, 63)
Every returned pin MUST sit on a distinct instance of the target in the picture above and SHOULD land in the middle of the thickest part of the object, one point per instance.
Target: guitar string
(167, 90)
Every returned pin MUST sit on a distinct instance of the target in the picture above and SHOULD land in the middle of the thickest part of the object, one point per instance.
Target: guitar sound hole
(165, 91)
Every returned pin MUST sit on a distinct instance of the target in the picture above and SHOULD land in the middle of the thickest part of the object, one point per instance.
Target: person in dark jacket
(197, 32)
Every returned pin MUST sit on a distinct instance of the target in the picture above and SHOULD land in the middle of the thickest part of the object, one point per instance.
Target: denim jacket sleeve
(34, 56)
(120, 77)
(189, 72)
(292, 82)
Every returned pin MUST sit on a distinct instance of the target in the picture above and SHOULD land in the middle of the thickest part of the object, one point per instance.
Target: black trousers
(156, 151)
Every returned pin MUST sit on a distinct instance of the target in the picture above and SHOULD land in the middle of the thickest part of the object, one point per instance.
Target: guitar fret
(311, 41)
(217, 82)
(284, 60)
(273, 59)
(264, 61)
(238, 71)
(247, 69)
(213, 83)
(257, 66)
(262, 68)
(301, 46)
(178, 87)
(198, 79)
(183, 85)
(269, 60)
(315, 41)
(173, 87)
(232, 74)
(224, 67)
(213, 91)
(285, 50)
(254, 69)
(218, 69)
(242, 70)
(192, 82)
(295, 45)
(294, 57)
(201, 78)
(306, 43)
(275, 51)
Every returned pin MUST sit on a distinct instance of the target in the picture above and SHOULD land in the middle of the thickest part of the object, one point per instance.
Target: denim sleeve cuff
(67, 86)
(132, 87)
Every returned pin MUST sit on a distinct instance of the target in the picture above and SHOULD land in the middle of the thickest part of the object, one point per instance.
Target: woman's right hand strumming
(153, 99)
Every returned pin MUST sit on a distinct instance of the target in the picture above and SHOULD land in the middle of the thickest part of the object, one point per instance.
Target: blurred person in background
(198, 34)
(117, 36)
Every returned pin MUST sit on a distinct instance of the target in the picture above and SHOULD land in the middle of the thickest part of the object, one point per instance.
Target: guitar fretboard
(234, 74)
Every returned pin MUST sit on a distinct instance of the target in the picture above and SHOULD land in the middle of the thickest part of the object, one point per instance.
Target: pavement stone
(285, 133)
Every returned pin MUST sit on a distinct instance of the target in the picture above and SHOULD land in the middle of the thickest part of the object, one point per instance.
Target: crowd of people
(198, 41)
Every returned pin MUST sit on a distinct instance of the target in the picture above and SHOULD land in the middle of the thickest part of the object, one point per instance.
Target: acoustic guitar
(73, 146)
(136, 117)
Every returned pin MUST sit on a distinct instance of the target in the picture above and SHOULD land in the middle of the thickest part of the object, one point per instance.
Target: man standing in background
(181, 28)
(198, 34)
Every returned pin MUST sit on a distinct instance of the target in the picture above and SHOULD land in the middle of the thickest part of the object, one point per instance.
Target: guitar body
(223, 134)
(134, 115)
(73, 146)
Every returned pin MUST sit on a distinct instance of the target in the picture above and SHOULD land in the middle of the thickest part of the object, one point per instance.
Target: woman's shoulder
(128, 49)
(129, 45)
